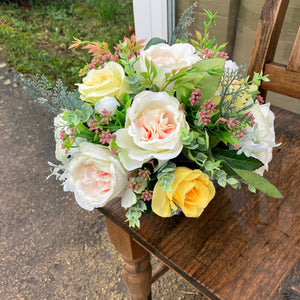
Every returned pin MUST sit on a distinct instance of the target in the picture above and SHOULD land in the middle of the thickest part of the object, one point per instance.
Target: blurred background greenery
(36, 34)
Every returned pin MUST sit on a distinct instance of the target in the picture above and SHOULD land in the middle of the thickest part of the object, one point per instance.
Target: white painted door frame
(154, 18)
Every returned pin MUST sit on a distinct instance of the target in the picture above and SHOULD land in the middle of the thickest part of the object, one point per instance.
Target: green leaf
(84, 129)
(164, 186)
(148, 64)
(214, 71)
(232, 181)
(235, 161)
(120, 117)
(259, 183)
(127, 102)
(155, 41)
(86, 111)
(167, 178)
(225, 137)
(201, 157)
(210, 73)
(222, 182)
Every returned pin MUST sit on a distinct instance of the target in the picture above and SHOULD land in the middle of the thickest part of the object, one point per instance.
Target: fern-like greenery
(181, 31)
(232, 87)
(55, 98)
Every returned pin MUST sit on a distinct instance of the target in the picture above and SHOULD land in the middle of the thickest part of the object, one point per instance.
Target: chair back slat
(283, 79)
(294, 61)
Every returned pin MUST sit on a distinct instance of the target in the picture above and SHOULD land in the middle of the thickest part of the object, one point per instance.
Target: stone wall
(236, 23)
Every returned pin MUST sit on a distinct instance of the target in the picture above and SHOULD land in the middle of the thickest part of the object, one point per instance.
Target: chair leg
(136, 267)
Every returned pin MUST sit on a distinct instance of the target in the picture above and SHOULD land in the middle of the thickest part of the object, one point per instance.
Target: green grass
(39, 37)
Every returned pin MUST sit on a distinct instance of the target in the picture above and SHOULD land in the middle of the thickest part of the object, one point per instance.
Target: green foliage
(150, 75)
(205, 75)
(181, 31)
(121, 113)
(241, 162)
(39, 38)
(259, 183)
(59, 171)
(232, 87)
(110, 10)
(209, 73)
(154, 41)
(165, 176)
(134, 213)
(83, 114)
(204, 41)
(225, 136)
(55, 98)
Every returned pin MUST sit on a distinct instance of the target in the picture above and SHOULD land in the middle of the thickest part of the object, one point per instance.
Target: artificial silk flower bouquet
(157, 125)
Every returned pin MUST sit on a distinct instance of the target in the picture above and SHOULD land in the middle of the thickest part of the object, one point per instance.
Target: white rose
(152, 130)
(108, 103)
(166, 59)
(96, 176)
(260, 139)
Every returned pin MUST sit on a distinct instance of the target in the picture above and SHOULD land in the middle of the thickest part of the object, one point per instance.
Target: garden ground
(50, 248)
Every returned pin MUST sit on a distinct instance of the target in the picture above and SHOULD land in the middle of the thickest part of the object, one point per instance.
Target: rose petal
(128, 199)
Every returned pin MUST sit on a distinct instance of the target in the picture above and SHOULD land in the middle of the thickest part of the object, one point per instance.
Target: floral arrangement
(157, 125)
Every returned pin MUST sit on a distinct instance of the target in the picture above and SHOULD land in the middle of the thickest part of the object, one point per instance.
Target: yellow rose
(109, 81)
(191, 191)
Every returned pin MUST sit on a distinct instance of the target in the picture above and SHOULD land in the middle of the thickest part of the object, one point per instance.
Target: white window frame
(154, 18)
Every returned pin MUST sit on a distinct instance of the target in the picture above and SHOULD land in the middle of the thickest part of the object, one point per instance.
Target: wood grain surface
(244, 245)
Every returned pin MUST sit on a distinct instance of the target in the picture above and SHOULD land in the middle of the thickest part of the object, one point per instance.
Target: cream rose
(152, 130)
(95, 176)
(191, 191)
(260, 139)
(166, 59)
(109, 81)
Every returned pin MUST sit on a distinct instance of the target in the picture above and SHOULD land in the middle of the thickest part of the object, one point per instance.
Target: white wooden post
(151, 19)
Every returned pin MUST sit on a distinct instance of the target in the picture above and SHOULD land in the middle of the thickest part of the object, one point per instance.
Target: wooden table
(244, 245)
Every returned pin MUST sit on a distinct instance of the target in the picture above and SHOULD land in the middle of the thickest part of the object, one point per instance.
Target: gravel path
(50, 248)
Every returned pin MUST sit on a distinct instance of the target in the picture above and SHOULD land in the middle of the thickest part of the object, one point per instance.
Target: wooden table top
(244, 245)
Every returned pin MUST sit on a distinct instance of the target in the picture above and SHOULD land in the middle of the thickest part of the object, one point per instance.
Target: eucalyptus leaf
(259, 183)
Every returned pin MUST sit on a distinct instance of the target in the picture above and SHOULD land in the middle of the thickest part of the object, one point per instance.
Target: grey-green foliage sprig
(55, 98)
(181, 31)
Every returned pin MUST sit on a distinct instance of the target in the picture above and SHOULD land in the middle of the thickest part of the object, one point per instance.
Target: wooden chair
(244, 245)
(283, 79)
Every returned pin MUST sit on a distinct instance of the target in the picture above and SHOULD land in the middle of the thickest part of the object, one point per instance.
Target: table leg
(136, 267)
